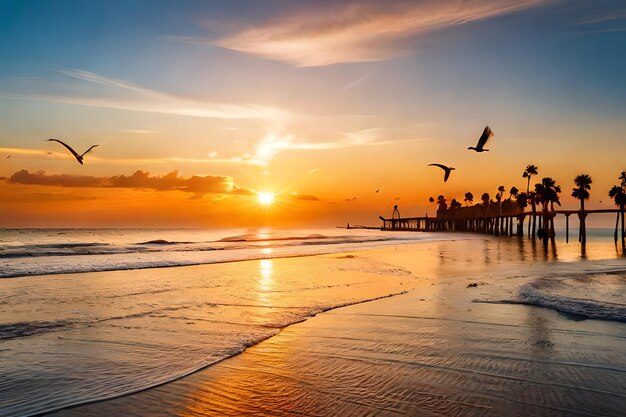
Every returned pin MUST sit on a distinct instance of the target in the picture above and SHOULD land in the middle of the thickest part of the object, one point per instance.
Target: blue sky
(266, 91)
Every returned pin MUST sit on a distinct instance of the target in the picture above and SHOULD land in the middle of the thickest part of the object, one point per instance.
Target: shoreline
(186, 257)
(139, 390)
(439, 268)
(290, 352)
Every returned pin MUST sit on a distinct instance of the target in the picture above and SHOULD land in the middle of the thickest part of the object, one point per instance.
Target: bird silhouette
(482, 141)
(447, 170)
(78, 157)
(376, 192)
(8, 156)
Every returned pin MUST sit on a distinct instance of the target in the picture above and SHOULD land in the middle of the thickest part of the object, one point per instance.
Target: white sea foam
(41, 252)
(594, 296)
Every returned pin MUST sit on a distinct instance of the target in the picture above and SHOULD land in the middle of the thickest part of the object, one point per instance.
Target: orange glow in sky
(336, 108)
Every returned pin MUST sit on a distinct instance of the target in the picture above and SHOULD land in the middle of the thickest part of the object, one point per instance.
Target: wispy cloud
(357, 81)
(274, 142)
(142, 99)
(96, 160)
(357, 31)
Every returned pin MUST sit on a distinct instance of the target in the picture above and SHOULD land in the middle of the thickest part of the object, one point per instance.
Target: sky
(200, 106)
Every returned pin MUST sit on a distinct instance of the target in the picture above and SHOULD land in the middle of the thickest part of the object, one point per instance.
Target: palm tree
(581, 192)
(528, 173)
(513, 192)
(548, 194)
(499, 219)
(455, 204)
(469, 198)
(485, 199)
(522, 202)
(622, 178)
(442, 203)
(618, 195)
(501, 191)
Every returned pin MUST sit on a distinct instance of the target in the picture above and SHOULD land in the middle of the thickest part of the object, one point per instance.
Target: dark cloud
(198, 185)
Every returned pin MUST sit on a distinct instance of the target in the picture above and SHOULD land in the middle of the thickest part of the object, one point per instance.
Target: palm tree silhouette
(522, 202)
(528, 173)
(513, 192)
(469, 198)
(499, 200)
(622, 178)
(548, 194)
(485, 199)
(442, 203)
(618, 195)
(581, 192)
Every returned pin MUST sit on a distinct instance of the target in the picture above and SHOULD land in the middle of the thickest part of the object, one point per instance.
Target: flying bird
(482, 141)
(78, 157)
(376, 192)
(447, 170)
(8, 156)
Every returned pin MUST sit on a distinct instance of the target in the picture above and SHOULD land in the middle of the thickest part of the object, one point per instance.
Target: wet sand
(432, 351)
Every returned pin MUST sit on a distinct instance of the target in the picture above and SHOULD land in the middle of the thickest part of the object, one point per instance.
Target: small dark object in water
(472, 285)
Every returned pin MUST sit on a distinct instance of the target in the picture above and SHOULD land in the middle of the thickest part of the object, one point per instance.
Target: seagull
(445, 168)
(78, 157)
(487, 133)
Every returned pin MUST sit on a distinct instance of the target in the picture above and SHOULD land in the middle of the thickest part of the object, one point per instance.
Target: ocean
(91, 314)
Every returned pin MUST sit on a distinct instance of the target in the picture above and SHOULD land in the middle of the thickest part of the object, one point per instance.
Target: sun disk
(265, 198)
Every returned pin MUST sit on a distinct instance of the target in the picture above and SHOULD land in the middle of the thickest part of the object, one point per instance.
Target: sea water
(69, 337)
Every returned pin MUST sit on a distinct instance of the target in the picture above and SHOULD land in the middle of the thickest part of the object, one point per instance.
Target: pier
(541, 223)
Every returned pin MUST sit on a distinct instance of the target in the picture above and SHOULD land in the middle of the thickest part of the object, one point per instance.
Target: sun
(265, 198)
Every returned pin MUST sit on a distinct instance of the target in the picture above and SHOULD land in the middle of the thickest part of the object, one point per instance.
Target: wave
(260, 237)
(589, 296)
(31, 328)
(18, 260)
(41, 405)
(163, 242)
(594, 297)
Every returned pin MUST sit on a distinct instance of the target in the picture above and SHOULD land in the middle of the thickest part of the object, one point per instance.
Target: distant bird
(445, 168)
(487, 133)
(377, 191)
(78, 157)
(8, 156)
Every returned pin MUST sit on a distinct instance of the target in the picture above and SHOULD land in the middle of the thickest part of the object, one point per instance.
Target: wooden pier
(508, 224)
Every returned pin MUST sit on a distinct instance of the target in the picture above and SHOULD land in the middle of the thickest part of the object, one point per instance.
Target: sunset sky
(199, 106)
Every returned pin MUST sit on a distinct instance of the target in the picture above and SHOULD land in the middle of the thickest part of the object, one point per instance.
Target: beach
(458, 325)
